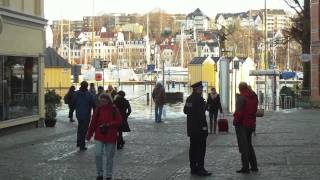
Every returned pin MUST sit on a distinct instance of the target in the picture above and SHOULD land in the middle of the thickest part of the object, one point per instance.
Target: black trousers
(197, 152)
(248, 156)
(120, 141)
(213, 116)
(82, 132)
(71, 110)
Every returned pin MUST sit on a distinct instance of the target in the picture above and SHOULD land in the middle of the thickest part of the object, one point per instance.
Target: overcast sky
(75, 9)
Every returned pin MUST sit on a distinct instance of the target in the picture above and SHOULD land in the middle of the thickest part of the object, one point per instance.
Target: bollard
(148, 99)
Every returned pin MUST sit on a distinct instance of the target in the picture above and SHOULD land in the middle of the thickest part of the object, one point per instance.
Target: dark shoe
(243, 171)
(119, 147)
(83, 148)
(193, 172)
(99, 178)
(254, 169)
(71, 120)
(203, 173)
(108, 178)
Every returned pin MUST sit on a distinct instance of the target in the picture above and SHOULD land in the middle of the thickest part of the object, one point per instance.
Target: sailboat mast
(181, 46)
(61, 37)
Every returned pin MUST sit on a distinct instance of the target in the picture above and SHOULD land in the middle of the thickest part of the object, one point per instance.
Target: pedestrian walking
(83, 102)
(124, 108)
(244, 122)
(92, 89)
(105, 122)
(213, 106)
(158, 96)
(68, 100)
(111, 91)
(197, 129)
(100, 91)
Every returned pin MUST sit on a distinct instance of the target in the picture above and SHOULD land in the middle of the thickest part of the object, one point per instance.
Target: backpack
(66, 98)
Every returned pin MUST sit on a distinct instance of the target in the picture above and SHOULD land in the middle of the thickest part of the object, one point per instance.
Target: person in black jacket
(68, 100)
(197, 129)
(125, 110)
(213, 106)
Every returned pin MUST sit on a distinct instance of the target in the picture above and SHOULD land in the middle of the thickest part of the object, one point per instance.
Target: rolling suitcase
(223, 124)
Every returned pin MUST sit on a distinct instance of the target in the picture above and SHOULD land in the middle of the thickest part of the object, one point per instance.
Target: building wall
(22, 42)
(315, 51)
(58, 79)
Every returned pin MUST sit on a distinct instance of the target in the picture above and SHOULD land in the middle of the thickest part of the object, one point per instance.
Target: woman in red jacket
(105, 122)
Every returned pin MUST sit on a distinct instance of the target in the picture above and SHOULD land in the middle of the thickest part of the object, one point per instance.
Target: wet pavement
(287, 147)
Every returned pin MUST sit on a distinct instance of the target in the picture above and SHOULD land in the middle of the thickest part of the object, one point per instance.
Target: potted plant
(52, 100)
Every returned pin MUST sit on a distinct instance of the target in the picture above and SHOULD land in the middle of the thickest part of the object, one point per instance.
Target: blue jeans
(158, 112)
(109, 150)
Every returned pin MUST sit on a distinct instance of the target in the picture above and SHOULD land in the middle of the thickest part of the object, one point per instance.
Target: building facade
(197, 20)
(22, 43)
(315, 51)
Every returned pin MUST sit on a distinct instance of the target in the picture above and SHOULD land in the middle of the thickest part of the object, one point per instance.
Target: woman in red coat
(105, 122)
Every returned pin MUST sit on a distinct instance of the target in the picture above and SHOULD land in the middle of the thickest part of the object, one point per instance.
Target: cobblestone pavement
(287, 147)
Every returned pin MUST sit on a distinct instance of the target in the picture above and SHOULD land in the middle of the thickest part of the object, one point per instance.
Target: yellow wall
(208, 74)
(195, 73)
(58, 79)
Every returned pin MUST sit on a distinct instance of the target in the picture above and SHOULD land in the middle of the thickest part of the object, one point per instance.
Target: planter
(50, 122)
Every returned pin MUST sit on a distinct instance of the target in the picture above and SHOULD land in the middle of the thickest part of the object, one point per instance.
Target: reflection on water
(137, 95)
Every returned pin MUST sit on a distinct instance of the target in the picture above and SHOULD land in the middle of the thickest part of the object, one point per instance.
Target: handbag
(103, 128)
(260, 112)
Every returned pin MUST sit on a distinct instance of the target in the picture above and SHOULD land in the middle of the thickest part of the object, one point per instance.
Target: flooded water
(141, 110)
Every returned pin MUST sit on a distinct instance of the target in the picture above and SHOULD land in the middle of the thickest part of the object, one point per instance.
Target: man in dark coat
(83, 102)
(197, 128)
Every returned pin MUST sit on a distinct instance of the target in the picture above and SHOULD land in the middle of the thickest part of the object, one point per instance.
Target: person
(83, 102)
(256, 96)
(197, 129)
(100, 91)
(158, 96)
(244, 122)
(92, 89)
(111, 91)
(68, 100)
(213, 106)
(105, 122)
(125, 110)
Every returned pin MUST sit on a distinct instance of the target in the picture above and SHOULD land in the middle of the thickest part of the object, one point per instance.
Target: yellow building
(57, 72)
(22, 42)
(203, 69)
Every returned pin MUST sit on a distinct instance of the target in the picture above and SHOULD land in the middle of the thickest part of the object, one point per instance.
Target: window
(19, 85)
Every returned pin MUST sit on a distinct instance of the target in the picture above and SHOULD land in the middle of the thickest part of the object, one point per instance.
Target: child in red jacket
(105, 122)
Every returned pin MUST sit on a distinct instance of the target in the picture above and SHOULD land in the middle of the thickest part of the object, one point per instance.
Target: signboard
(268, 72)
(98, 76)
(305, 57)
(150, 67)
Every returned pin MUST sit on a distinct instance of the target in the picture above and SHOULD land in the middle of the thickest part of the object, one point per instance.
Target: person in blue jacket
(83, 102)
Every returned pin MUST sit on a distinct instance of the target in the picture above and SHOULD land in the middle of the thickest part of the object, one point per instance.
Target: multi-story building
(246, 19)
(197, 20)
(22, 43)
(277, 19)
(315, 51)
(75, 26)
(118, 51)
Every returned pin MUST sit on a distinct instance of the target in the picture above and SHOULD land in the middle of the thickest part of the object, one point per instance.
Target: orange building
(315, 51)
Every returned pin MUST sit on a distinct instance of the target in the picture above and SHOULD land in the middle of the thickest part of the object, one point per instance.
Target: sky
(76, 9)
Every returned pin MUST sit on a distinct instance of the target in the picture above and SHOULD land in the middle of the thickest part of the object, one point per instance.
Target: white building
(197, 20)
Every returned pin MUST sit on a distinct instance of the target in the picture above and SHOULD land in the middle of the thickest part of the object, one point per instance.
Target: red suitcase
(223, 125)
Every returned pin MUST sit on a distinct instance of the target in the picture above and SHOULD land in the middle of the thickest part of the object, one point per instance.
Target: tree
(300, 32)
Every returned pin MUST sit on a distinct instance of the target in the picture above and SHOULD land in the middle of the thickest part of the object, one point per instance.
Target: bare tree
(300, 32)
